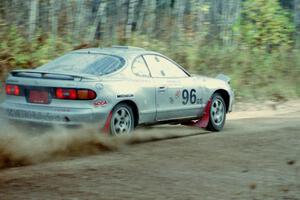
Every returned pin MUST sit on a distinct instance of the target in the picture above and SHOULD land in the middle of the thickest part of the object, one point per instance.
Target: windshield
(87, 63)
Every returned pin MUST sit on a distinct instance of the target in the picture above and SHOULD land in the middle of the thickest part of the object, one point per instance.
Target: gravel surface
(257, 156)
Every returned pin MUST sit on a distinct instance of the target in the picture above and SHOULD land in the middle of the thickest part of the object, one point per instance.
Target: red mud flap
(106, 128)
(203, 122)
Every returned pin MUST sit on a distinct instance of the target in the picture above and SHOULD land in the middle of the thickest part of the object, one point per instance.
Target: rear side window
(140, 68)
(161, 67)
(87, 63)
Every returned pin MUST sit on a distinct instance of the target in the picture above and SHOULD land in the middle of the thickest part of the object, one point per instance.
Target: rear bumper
(54, 115)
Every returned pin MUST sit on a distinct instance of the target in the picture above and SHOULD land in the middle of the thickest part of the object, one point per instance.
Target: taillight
(62, 93)
(75, 94)
(86, 94)
(12, 90)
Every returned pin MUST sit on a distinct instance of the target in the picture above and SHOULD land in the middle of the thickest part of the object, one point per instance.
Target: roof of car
(122, 51)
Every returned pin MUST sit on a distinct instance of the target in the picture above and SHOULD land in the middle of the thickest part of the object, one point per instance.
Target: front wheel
(217, 113)
(122, 120)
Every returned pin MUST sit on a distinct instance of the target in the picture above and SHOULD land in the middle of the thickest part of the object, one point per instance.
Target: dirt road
(253, 158)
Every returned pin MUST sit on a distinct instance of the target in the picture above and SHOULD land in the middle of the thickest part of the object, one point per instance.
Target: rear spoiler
(52, 75)
(223, 78)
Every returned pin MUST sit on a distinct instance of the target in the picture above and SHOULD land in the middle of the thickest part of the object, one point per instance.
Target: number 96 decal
(189, 96)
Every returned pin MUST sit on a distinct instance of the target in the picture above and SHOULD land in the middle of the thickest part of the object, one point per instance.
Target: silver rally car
(116, 89)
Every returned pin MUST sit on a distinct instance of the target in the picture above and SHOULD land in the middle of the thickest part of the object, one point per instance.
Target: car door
(171, 85)
(145, 92)
(192, 96)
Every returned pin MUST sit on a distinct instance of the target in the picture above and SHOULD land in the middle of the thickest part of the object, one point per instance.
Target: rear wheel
(122, 120)
(217, 113)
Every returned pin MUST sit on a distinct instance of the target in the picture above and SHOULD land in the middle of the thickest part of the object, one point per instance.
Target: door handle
(162, 89)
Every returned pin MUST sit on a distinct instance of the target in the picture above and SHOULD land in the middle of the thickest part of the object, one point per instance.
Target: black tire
(217, 113)
(122, 120)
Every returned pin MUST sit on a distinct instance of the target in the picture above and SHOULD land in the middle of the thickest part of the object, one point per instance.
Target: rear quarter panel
(138, 90)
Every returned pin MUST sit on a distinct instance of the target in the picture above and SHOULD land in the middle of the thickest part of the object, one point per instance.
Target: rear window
(87, 63)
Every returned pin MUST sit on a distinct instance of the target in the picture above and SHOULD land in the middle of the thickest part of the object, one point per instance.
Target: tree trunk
(141, 15)
(152, 17)
(54, 6)
(98, 21)
(32, 18)
(297, 22)
(130, 18)
(178, 13)
(78, 20)
(69, 18)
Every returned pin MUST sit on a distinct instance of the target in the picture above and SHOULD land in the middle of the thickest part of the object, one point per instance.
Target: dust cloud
(27, 146)
(19, 148)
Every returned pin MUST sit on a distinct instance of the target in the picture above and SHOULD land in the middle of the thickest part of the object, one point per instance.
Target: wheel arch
(134, 108)
(226, 97)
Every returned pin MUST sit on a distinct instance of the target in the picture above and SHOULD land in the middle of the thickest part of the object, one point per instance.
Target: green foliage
(265, 24)
(255, 73)
(257, 52)
(17, 52)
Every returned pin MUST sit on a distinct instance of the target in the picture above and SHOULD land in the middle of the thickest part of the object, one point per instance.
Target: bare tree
(99, 20)
(54, 7)
(141, 15)
(32, 18)
(229, 15)
(112, 20)
(297, 22)
(78, 20)
(151, 4)
(130, 18)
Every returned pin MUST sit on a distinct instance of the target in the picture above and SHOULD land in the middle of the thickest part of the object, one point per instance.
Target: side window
(140, 68)
(161, 67)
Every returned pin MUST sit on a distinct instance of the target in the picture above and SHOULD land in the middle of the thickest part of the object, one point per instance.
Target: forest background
(255, 42)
